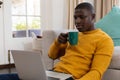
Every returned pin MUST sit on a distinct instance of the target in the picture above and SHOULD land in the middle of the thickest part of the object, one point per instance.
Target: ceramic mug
(73, 37)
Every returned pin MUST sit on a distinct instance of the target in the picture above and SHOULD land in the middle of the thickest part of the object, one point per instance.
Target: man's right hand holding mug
(63, 38)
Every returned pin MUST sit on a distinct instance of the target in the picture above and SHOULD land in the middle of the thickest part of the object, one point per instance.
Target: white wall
(58, 12)
(52, 12)
(46, 14)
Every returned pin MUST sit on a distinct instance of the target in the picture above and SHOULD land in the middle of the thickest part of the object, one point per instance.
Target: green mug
(73, 37)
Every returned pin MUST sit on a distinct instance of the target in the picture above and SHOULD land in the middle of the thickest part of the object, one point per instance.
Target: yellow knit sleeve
(57, 50)
(101, 60)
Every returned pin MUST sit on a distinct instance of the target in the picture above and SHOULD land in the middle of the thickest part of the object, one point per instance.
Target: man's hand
(62, 38)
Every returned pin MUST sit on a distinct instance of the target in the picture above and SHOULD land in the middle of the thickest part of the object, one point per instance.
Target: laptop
(29, 66)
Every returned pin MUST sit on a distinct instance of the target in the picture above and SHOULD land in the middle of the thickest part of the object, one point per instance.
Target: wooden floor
(6, 71)
(7, 68)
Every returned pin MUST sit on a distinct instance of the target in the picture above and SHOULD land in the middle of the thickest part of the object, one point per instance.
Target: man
(89, 59)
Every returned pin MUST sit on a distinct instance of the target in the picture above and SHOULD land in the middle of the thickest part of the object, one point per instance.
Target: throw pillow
(111, 24)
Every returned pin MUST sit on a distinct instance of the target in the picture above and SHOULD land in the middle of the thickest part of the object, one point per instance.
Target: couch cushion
(115, 62)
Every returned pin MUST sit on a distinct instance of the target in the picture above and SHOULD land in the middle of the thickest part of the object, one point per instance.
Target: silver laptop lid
(29, 65)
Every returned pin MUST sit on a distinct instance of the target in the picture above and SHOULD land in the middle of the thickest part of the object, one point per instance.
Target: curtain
(102, 7)
(71, 4)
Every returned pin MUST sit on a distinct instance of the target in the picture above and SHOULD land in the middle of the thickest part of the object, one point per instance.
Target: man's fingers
(64, 34)
(62, 38)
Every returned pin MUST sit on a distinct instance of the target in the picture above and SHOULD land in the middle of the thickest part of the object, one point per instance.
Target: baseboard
(7, 66)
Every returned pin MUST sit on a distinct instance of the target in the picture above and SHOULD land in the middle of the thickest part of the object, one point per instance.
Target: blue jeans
(12, 76)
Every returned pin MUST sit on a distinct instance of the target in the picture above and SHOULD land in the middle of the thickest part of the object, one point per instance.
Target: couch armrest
(48, 37)
(111, 74)
(115, 62)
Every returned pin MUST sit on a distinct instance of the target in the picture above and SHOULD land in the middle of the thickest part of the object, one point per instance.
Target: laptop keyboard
(52, 78)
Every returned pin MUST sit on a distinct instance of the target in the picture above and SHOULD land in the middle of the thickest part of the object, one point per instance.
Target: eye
(75, 17)
(83, 17)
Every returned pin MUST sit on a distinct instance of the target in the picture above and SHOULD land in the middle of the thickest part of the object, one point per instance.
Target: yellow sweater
(87, 60)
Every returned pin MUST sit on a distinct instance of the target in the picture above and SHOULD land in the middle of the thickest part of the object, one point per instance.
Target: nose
(78, 20)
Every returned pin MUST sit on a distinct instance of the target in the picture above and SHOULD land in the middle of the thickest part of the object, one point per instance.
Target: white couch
(112, 73)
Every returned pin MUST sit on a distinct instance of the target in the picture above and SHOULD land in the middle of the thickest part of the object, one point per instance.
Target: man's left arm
(101, 60)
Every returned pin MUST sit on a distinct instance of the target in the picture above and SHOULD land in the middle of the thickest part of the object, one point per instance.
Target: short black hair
(85, 5)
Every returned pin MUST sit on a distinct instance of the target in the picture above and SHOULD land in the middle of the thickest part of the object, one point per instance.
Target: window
(25, 18)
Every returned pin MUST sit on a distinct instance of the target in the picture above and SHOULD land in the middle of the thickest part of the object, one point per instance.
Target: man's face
(83, 20)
